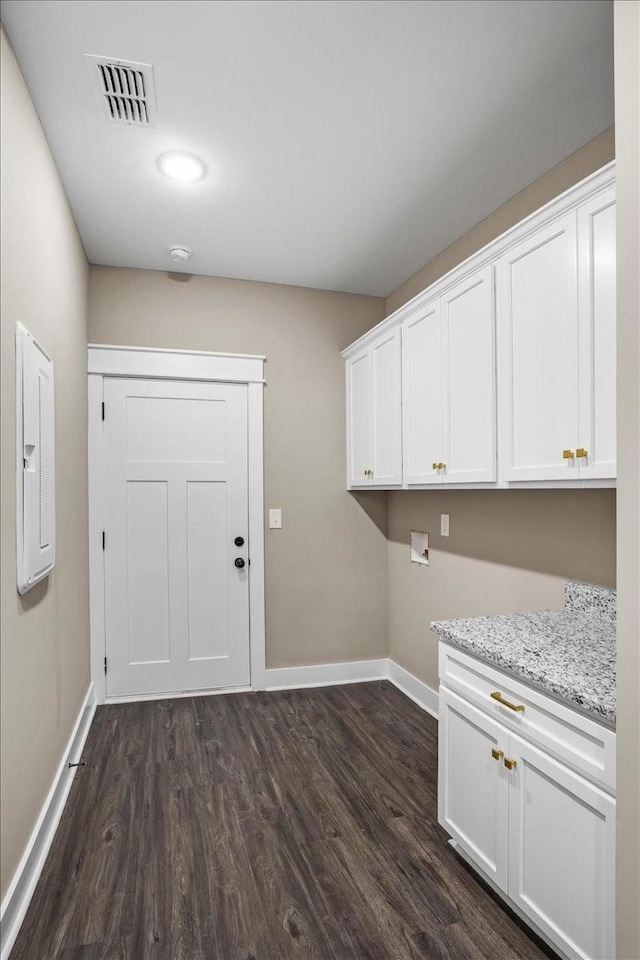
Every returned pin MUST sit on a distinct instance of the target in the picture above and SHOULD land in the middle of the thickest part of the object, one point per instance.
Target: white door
(359, 420)
(472, 784)
(537, 308)
(387, 409)
(422, 395)
(175, 500)
(597, 279)
(561, 853)
(469, 411)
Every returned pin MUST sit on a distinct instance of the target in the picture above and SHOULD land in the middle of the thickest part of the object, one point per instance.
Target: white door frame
(150, 363)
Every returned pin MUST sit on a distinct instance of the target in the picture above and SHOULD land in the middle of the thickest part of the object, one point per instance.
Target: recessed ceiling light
(182, 166)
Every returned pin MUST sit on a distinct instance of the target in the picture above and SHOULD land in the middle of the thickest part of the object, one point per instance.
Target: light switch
(444, 524)
(275, 519)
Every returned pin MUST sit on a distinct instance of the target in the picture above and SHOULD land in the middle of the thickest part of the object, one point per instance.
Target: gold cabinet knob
(443, 466)
(581, 452)
(497, 754)
(510, 764)
(435, 466)
(568, 454)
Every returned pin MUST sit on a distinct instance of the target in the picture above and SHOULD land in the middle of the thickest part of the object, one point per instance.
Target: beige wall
(326, 581)
(627, 90)
(45, 647)
(508, 550)
(580, 164)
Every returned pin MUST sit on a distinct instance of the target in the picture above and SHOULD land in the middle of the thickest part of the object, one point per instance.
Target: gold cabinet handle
(568, 454)
(443, 466)
(435, 466)
(496, 695)
(497, 754)
(581, 452)
(510, 764)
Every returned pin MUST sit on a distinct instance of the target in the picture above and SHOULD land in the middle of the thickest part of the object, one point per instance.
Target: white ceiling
(348, 141)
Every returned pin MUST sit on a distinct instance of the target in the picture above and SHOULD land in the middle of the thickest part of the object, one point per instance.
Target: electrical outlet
(275, 519)
(444, 524)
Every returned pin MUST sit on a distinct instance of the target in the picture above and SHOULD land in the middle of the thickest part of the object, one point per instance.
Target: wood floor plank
(297, 825)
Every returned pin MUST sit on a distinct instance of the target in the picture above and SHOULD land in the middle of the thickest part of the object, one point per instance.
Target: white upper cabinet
(537, 300)
(507, 371)
(468, 352)
(448, 355)
(359, 421)
(557, 346)
(374, 414)
(422, 370)
(387, 410)
(597, 334)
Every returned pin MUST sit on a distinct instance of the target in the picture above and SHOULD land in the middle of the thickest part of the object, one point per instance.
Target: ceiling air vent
(123, 90)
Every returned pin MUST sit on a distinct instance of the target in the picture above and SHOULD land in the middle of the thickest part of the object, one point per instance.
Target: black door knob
(239, 541)
(239, 562)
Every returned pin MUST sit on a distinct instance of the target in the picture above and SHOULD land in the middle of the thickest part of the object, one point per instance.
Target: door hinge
(105, 664)
(103, 409)
(104, 540)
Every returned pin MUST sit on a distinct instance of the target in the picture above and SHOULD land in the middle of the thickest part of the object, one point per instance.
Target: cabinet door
(387, 410)
(469, 415)
(473, 784)
(597, 299)
(537, 302)
(359, 420)
(422, 395)
(561, 853)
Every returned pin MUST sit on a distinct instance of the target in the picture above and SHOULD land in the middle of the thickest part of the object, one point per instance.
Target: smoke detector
(123, 90)
(179, 253)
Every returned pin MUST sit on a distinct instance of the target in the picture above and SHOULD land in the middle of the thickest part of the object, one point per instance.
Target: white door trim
(113, 361)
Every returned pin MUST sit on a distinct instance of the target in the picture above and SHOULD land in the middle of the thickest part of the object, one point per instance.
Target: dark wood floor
(280, 826)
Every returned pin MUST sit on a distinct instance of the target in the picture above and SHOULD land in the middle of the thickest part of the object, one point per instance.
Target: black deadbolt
(239, 562)
(239, 541)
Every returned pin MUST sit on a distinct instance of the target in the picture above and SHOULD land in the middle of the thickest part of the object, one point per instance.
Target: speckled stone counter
(568, 653)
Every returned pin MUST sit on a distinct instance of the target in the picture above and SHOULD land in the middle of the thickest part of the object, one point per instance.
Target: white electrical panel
(35, 416)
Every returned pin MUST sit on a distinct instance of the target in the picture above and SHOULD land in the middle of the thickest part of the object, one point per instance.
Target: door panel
(469, 381)
(359, 398)
(147, 595)
(206, 564)
(176, 496)
(597, 274)
(387, 410)
(538, 344)
(557, 817)
(422, 396)
(472, 784)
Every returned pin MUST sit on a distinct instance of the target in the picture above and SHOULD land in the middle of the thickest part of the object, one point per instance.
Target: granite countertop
(569, 653)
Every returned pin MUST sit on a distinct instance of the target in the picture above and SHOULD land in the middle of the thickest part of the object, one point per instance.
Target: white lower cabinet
(543, 834)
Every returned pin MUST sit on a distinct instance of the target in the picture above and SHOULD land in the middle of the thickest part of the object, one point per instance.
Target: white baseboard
(18, 896)
(418, 691)
(356, 671)
(326, 674)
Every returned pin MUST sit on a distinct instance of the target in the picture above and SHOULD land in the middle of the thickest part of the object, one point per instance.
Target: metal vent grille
(123, 90)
